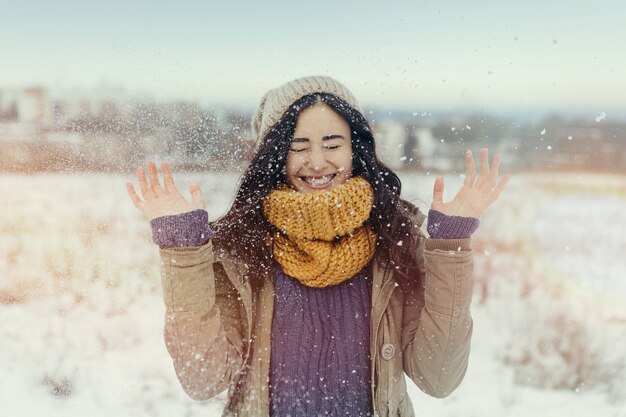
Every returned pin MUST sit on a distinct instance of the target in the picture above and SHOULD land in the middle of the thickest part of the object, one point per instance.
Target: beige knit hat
(276, 101)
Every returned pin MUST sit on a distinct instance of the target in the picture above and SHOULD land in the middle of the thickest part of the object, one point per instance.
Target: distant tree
(10, 113)
(473, 129)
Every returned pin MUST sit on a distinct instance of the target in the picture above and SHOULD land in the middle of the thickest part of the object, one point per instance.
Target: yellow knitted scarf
(321, 238)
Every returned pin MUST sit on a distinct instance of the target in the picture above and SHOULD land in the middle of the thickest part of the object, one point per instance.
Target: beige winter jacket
(218, 332)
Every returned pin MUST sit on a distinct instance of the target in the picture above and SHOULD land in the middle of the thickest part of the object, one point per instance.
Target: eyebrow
(327, 137)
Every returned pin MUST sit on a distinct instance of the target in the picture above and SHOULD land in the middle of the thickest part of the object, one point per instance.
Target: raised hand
(476, 194)
(162, 201)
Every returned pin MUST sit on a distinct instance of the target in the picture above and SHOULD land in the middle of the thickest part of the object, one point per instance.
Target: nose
(317, 159)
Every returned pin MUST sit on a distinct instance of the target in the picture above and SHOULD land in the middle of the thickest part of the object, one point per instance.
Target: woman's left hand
(476, 194)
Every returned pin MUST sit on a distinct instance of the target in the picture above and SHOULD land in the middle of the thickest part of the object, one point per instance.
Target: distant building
(30, 106)
(24, 113)
(18, 132)
(391, 139)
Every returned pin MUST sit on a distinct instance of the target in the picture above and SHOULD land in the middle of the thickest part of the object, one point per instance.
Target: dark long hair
(245, 232)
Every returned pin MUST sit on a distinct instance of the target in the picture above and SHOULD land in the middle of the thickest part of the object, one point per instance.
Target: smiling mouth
(318, 181)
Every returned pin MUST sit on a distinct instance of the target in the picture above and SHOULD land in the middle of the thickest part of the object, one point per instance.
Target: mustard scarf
(321, 238)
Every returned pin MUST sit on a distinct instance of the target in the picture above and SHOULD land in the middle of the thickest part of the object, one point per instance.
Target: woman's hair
(245, 232)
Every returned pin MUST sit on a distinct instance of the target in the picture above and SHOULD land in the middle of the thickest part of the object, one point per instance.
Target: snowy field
(81, 312)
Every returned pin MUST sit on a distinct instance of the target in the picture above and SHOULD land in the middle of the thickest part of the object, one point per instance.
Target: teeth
(318, 181)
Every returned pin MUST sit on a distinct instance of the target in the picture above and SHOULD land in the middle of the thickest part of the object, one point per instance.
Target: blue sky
(494, 55)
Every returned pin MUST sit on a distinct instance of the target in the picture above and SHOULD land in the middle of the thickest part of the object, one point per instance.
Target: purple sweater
(320, 360)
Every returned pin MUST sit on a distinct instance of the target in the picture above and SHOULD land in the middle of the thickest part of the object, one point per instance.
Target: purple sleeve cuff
(442, 226)
(182, 230)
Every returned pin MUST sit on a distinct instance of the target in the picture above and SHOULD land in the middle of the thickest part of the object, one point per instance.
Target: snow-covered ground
(81, 314)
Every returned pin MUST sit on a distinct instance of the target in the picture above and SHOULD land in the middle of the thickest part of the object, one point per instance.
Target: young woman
(316, 292)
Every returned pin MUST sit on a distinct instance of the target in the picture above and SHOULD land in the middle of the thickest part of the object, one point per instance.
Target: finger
(484, 168)
(155, 185)
(143, 183)
(133, 195)
(470, 169)
(500, 187)
(495, 167)
(196, 194)
(484, 162)
(168, 179)
(438, 190)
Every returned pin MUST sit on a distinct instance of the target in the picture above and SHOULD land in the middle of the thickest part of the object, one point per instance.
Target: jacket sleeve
(202, 321)
(436, 324)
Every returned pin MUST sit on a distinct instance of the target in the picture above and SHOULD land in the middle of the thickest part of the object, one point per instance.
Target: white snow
(81, 313)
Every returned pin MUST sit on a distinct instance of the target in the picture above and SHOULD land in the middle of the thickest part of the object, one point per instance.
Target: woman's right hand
(163, 201)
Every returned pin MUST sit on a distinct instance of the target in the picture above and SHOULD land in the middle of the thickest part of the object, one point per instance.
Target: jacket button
(387, 351)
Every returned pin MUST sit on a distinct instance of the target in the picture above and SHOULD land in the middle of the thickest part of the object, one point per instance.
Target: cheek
(345, 162)
(293, 165)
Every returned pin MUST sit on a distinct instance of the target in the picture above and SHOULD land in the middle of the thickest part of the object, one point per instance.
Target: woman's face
(320, 153)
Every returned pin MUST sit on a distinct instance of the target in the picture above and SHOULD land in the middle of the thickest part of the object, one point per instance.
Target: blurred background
(88, 92)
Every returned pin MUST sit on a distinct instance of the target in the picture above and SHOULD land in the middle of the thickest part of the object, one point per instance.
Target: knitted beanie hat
(276, 101)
